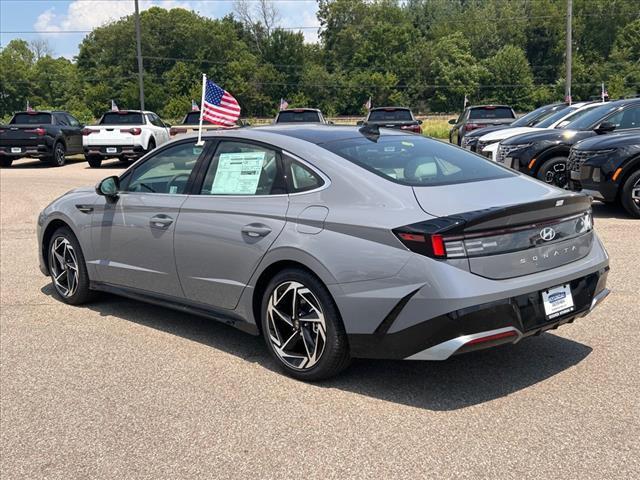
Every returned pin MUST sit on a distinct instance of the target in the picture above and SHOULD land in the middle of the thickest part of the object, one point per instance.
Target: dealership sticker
(557, 301)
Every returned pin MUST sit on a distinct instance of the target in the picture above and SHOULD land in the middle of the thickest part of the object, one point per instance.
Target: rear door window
(122, 118)
(240, 168)
(487, 113)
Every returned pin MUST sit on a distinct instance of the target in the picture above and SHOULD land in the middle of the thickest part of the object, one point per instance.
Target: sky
(64, 22)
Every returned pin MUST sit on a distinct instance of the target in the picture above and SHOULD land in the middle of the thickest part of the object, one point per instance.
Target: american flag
(114, 107)
(194, 106)
(29, 109)
(219, 106)
(283, 104)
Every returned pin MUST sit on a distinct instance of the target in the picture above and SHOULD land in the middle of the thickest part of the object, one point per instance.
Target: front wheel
(93, 160)
(630, 194)
(302, 327)
(58, 159)
(554, 172)
(67, 267)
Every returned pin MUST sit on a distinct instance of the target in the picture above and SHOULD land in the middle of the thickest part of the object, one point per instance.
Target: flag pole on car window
(204, 86)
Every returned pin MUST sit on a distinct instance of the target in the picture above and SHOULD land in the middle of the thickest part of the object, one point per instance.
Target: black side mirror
(109, 187)
(452, 121)
(360, 123)
(604, 127)
(419, 122)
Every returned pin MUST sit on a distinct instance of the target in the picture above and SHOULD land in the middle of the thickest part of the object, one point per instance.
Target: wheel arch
(629, 167)
(548, 154)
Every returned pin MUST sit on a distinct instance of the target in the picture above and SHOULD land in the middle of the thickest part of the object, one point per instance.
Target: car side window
(72, 121)
(155, 120)
(301, 178)
(168, 171)
(60, 119)
(240, 168)
(628, 118)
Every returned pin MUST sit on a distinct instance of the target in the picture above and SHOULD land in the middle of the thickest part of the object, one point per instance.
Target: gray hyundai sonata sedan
(333, 243)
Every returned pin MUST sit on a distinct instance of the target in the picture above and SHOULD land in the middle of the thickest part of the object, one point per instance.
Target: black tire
(123, 160)
(554, 171)
(334, 356)
(93, 160)
(58, 158)
(151, 145)
(631, 184)
(81, 293)
(6, 162)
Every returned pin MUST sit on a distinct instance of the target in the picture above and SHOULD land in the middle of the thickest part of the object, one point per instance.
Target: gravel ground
(121, 389)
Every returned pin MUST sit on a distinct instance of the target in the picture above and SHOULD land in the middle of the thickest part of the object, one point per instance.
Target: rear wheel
(93, 160)
(302, 327)
(6, 162)
(67, 268)
(554, 172)
(151, 145)
(630, 194)
(59, 151)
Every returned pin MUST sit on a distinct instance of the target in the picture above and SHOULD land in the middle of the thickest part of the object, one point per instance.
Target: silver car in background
(333, 243)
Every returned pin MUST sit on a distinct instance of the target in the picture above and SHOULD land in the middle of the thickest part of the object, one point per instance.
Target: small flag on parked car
(283, 104)
(466, 102)
(29, 109)
(114, 107)
(219, 107)
(368, 104)
(194, 106)
(604, 94)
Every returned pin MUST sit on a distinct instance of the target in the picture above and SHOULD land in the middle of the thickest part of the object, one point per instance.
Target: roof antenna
(371, 131)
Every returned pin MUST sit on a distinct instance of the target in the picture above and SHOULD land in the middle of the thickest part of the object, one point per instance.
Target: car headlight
(594, 153)
(520, 146)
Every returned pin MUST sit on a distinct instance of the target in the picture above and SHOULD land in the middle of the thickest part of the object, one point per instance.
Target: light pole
(139, 51)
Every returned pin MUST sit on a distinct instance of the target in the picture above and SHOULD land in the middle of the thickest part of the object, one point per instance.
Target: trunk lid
(106, 135)
(21, 135)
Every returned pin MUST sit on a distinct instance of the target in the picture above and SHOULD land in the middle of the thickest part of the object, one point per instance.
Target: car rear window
(122, 118)
(416, 161)
(193, 118)
(31, 119)
(490, 112)
(391, 115)
(304, 116)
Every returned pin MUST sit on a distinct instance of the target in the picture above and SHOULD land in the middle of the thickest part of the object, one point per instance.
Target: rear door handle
(161, 221)
(255, 230)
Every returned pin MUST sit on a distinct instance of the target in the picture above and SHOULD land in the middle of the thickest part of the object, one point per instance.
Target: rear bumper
(128, 151)
(480, 326)
(40, 150)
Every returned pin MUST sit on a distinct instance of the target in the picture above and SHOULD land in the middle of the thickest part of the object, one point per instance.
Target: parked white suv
(124, 134)
(488, 144)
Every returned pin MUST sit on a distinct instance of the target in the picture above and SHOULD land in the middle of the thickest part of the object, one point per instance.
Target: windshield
(31, 119)
(304, 116)
(490, 112)
(416, 161)
(551, 119)
(587, 121)
(391, 115)
(537, 116)
(122, 118)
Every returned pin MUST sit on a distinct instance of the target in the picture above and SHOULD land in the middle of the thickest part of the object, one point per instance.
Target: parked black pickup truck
(479, 116)
(393, 117)
(48, 136)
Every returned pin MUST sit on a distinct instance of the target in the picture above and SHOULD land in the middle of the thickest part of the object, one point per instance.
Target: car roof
(389, 108)
(301, 109)
(489, 105)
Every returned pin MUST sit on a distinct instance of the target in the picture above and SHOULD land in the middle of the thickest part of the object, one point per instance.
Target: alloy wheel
(59, 154)
(635, 192)
(63, 263)
(557, 175)
(297, 328)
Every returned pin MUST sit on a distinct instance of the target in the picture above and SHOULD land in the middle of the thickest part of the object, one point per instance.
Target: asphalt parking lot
(121, 389)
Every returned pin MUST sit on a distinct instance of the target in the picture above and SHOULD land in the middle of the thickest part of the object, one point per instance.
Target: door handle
(255, 230)
(161, 221)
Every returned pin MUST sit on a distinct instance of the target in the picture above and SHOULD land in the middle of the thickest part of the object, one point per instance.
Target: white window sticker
(238, 173)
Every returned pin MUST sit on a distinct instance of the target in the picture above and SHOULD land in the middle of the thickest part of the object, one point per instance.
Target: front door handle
(255, 230)
(161, 221)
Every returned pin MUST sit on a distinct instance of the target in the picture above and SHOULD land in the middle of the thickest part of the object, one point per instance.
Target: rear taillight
(443, 238)
(412, 128)
(176, 130)
(88, 131)
(38, 131)
(132, 131)
(473, 126)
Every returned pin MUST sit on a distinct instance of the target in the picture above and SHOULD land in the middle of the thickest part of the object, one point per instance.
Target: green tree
(509, 71)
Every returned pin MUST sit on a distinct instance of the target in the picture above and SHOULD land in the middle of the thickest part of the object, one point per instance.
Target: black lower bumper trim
(523, 312)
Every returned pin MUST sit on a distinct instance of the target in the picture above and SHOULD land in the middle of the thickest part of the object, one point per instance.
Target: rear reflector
(490, 338)
(38, 131)
(175, 130)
